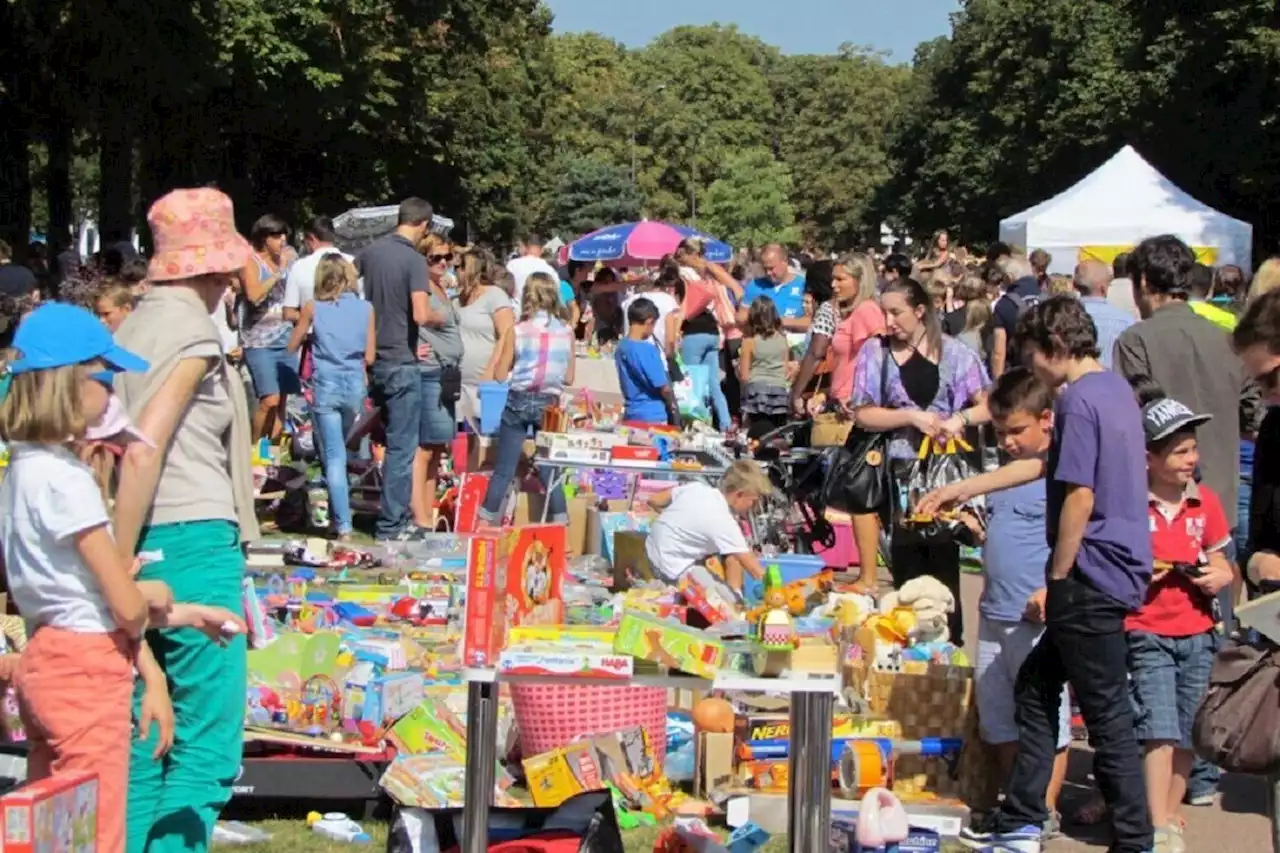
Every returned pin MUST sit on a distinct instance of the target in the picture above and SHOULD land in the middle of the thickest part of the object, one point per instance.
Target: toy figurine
(775, 630)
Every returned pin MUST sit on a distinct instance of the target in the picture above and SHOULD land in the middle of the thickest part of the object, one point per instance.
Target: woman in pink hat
(186, 499)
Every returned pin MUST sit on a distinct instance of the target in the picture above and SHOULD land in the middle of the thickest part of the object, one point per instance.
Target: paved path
(1237, 823)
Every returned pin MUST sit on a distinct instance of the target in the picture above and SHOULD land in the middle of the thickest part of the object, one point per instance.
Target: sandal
(1091, 813)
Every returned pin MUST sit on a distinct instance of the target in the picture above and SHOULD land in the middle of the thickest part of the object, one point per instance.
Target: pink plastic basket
(551, 716)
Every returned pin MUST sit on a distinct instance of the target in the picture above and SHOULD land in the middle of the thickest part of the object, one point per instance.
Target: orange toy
(714, 715)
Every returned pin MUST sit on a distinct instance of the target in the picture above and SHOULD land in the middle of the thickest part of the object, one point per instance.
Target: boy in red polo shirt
(1171, 637)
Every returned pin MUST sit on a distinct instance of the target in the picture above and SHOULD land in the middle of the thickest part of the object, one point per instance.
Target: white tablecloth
(598, 375)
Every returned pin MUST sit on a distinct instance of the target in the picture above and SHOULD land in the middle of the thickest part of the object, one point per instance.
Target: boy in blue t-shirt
(1013, 595)
(642, 373)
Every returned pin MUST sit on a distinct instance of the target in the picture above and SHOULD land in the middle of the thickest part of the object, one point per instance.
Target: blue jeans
(705, 350)
(339, 399)
(397, 391)
(524, 410)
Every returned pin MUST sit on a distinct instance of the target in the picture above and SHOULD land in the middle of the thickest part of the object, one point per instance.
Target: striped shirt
(544, 346)
(1110, 321)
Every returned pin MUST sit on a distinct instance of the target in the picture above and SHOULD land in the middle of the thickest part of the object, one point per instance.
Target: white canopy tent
(1115, 207)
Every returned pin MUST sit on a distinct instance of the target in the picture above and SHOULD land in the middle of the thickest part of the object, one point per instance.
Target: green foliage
(750, 205)
(588, 195)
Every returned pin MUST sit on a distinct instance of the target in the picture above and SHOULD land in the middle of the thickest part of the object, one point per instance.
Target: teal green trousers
(175, 800)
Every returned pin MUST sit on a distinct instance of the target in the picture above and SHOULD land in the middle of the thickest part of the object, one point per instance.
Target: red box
(515, 577)
(470, 499)
(484, 626)
(55, 815)
(631, 453)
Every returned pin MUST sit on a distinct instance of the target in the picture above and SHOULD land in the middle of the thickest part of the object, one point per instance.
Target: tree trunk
(15, 177)
(58, 187)
(115, 192)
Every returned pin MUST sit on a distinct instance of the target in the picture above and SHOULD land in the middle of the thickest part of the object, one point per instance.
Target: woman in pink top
(841, 326)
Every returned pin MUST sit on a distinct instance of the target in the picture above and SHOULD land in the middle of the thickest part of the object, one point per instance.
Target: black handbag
(858, 480)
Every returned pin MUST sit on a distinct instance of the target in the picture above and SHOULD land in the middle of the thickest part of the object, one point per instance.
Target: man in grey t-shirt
(395, 281)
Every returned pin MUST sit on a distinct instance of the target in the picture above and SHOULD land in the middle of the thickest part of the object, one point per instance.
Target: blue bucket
(792, 567)
(493, 399)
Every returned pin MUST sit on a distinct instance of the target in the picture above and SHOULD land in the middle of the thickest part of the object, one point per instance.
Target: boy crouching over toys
(697, 521)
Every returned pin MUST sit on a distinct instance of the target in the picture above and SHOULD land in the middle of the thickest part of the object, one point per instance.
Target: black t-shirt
(1264, 505)
(920, 378)
(953, 321)
(1006, 310)
(701, 324)
(16, 280)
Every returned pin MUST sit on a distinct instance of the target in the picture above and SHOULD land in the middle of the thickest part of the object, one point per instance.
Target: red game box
(514, 577)
(54, 815)
(470, 499)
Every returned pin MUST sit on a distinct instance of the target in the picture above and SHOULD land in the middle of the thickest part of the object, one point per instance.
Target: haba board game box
(667, 643)
(55, 815)
(515, 577)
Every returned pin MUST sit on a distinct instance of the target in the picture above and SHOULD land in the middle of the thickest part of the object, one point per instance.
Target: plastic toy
(337, 826)
(775, 630)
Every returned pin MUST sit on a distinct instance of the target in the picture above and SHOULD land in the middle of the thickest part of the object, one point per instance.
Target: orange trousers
(74, 695)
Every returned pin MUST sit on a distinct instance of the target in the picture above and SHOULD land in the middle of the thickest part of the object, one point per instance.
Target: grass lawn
(293, 836)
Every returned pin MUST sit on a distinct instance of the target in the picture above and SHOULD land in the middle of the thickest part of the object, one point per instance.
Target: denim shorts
(274, 370)
(1168, 677)
(1002, 649)
(439, 422)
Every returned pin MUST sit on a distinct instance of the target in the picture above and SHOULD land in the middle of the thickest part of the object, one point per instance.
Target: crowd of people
(1136, 500)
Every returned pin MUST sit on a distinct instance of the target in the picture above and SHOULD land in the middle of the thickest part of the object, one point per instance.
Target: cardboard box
(55, 815)
(576, 535)
(513, 578)
(669, 644)
(470, 498)
(713, 763)
(485, 623)
(565, 661)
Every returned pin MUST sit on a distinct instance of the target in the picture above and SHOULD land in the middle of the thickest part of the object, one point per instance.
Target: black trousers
(1084, 644)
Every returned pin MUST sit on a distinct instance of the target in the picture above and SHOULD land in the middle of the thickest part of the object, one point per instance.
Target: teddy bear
(930, 601)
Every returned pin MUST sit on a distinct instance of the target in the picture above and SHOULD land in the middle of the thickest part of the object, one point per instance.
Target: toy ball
(713, 715)
(314, 818)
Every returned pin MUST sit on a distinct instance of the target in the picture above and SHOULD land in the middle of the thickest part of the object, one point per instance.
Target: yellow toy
(775, 631)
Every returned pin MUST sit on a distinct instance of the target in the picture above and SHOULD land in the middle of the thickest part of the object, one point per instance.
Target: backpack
(1238, 725)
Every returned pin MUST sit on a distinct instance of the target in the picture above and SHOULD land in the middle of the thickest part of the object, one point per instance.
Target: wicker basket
(551, 716)
(933, 700)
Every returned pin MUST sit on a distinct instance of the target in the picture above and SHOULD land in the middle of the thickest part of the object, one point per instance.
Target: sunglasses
(438, 259)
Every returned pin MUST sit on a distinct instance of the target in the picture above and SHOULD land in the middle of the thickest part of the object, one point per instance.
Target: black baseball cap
(1163, 417)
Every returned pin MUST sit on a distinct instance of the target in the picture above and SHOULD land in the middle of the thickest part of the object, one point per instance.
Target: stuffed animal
(931, 602)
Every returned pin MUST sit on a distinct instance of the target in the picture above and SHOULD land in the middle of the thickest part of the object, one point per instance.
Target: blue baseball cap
(60, 335)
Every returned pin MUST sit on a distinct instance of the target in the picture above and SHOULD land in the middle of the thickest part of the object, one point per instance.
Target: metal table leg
(809, 782)
(482, 736)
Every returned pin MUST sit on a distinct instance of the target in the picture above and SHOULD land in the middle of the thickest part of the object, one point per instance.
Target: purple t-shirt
(1098, 442)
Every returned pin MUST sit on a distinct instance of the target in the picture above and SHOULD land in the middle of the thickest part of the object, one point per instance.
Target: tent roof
(1126, 193)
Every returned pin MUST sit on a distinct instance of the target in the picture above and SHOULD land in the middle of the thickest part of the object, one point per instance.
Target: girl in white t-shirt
(84, 611)
(699, 521)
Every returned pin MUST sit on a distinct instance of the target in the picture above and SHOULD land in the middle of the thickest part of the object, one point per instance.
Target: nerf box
(54, 815)
(755, 730)
(669, 644)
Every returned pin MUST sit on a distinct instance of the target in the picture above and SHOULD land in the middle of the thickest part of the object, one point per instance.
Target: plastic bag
(935, 466)
(693, 391)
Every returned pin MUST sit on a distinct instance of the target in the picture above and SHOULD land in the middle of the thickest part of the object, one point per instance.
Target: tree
(833, 111)
(750, 205)
(716, 103)
(589, 195)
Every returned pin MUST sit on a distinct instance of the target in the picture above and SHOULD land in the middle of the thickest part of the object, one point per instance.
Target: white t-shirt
(665, 303)
(46, 498)
(229, 337)
(300, 286)
(696, 525)
(523, 267)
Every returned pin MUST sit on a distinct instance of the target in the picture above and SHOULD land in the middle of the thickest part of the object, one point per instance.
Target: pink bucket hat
(195, 234)
(115, 424)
